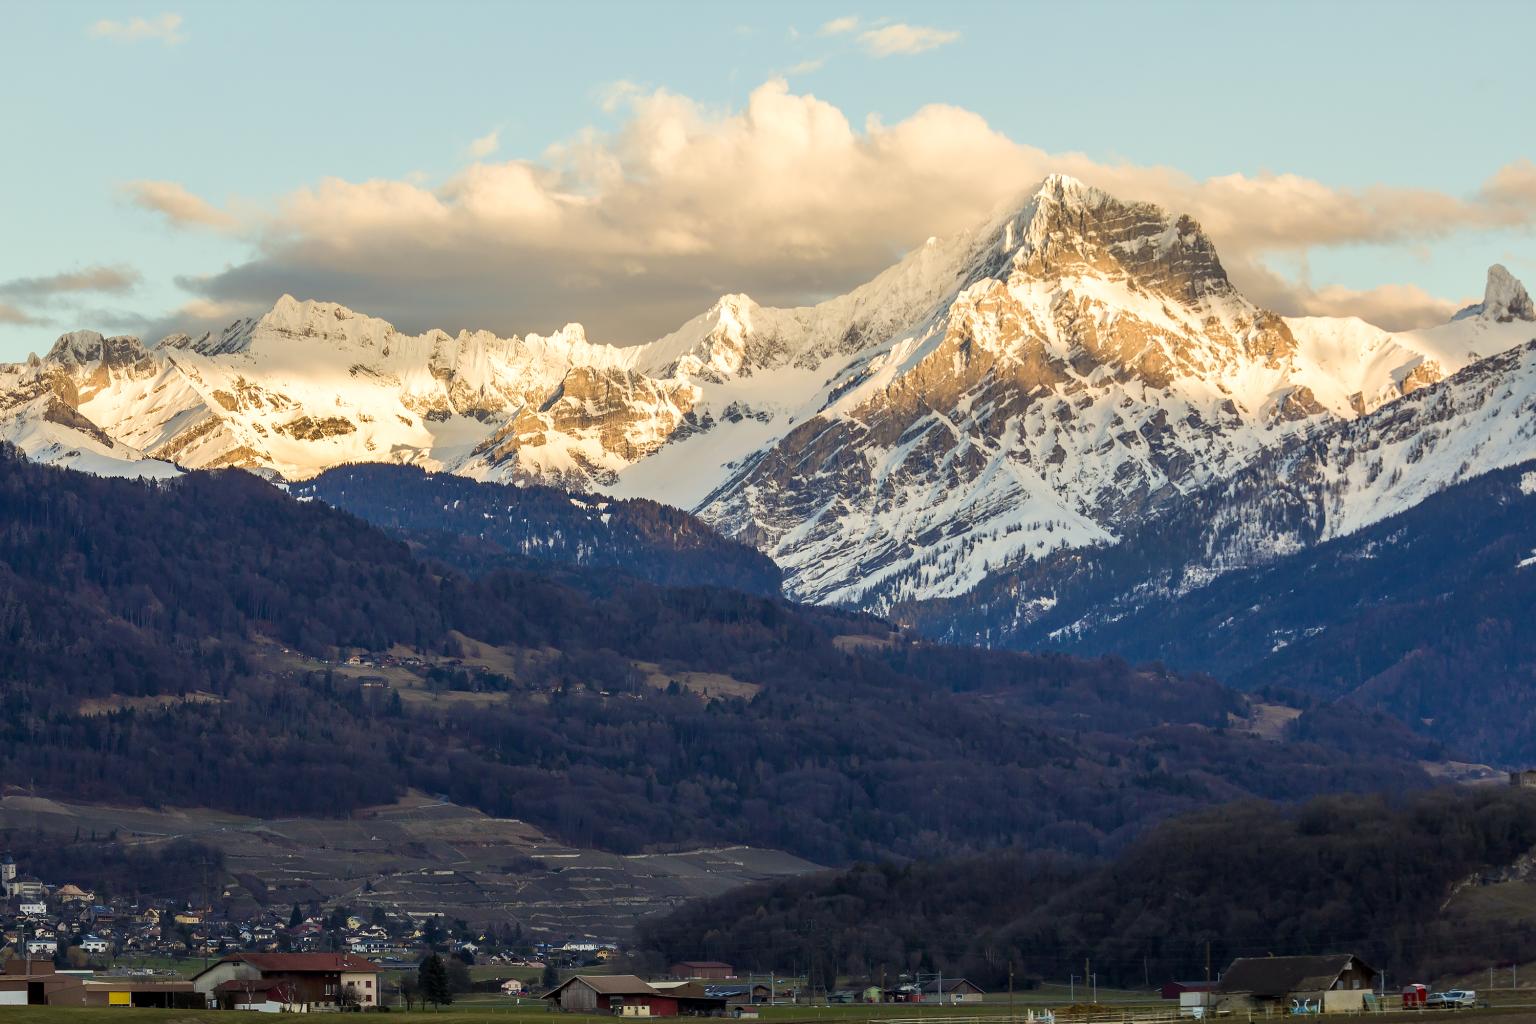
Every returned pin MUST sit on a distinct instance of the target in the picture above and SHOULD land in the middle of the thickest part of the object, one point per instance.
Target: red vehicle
(1415, 996)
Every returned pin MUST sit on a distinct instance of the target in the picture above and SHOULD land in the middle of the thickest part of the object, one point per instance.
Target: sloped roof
(302, 963)
(950, 984)
(608, 985)
(1278, 976)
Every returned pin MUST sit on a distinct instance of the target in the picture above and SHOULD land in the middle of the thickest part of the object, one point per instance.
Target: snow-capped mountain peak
(1070, 365)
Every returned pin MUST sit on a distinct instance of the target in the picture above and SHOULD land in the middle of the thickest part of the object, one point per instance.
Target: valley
(768, 512)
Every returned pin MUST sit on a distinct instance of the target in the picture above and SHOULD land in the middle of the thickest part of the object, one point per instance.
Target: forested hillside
(1429, 615)
(477, 527)
(1361, 874)
(162, 643)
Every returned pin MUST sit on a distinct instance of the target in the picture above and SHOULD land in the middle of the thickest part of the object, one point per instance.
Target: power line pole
(1010, 991)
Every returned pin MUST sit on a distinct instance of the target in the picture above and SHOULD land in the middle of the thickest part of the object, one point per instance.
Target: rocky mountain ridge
(1041, 383)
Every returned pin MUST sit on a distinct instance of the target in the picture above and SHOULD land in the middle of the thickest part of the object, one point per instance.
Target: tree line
(1363, 874)
(858, 743)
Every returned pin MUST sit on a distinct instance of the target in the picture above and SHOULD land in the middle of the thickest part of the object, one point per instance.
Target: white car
(1461, 997)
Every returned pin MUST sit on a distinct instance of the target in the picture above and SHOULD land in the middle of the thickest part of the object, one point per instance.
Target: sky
(514, 167)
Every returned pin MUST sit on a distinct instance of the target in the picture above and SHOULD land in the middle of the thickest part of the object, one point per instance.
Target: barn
(1298, 984)
(622, 995)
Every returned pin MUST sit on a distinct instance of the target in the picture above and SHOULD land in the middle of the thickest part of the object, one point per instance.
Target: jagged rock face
(1109, 367)
(1045, 381)
(1505, 299)
(597, 422)
(1330, 484)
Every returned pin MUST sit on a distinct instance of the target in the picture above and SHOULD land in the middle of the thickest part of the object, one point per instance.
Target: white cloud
(900, 38)
(616, 94)
(633, 231)
(807, 66)
(1396, 307)
(179, 206)
(839, 26)
(1513, 185)
(164, 27)
(486, 144)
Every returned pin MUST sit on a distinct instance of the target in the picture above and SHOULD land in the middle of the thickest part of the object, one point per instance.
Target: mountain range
(1018, 436)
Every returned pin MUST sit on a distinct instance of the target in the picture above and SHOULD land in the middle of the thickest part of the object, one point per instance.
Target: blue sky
(1386, 121)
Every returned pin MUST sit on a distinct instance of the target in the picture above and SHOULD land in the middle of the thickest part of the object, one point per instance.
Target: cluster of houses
(711, 988)
(55, 939)
(268, 982)
(76, 929)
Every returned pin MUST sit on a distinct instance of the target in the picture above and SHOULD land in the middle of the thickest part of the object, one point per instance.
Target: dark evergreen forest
(1361, 874)
(858, 744)
(1429, 615)
(479, 527)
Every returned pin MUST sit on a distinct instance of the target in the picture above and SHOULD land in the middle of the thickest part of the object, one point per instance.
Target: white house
(95, 944)
(33, 908)
(42, 947)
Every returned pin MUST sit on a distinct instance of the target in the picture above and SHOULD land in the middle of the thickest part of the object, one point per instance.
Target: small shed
(1175, 989)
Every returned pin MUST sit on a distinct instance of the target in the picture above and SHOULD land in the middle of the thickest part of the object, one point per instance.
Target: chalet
(95, 944)
(71, 893)
(1525, 778)
(955, 990)
(1331, 983)
(706, 970)
(293, 981)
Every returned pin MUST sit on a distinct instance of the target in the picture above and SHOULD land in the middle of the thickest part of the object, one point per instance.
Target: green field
(509, 1015)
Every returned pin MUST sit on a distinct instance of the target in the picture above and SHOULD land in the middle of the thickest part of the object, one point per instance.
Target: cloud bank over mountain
(633, 230)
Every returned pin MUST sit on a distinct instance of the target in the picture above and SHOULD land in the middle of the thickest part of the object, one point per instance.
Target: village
(61, 945)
